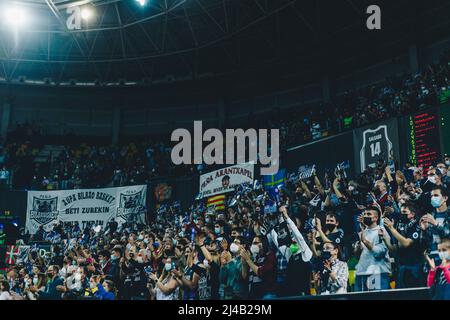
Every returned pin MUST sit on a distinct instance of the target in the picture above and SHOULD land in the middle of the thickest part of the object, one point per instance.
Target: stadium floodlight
(142, 2)
(14, 17)
(86, 13)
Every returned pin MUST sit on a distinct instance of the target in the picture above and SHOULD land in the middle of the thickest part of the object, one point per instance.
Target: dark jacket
(50, 292)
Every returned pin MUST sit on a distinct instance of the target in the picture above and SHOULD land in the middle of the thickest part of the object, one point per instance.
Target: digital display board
(424, 140)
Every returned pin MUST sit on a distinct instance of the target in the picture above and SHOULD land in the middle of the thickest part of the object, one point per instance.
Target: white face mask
(168, 266)
(432, 179)
(92, 285)
(140, 260)
(447, 163)
(444, 255)
(234, 248)
(206, 262)
(35, 280)
(254, 248)
(141, 237)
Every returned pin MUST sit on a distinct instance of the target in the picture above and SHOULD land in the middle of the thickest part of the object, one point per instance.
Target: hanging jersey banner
(375, 143)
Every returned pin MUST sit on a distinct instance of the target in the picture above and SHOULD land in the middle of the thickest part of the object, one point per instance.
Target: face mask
(113, 257)
(207, 220)
(217, 230)
(234, 248)
(351, 188)
(447, 163)
(367, 221)
(404, 218)
(442, 171)
(77, 276)
(140, 259)
(432, 179)
(206, 263)
(92, 285)
(254, 249)
(330, 226)
(181, 234)
(436, 202)
(35, 280)
(168, 266)
(444, 255)
(294, 248)
(141, 237)
(156, 244)
(326, 255)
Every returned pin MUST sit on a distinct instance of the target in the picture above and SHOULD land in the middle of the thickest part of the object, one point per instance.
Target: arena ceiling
(168, 40)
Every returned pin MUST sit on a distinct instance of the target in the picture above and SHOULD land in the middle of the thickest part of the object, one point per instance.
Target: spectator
(53, 287)
(333, 276)
(439, 277)
(373, 269)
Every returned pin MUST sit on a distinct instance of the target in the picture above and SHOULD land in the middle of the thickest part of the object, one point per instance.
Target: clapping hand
(153, 276)
(429, 219)
(430, 261)
(388, 223)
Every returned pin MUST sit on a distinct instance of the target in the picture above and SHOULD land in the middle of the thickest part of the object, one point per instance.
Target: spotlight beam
(55, 11)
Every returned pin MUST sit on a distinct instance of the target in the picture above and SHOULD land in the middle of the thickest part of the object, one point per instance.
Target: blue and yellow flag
(273, 181)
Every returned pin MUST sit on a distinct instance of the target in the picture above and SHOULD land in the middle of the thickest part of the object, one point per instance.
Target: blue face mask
(217, 230)
(436, 202)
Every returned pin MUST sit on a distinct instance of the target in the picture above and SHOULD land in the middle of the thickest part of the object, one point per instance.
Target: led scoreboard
(423, 139)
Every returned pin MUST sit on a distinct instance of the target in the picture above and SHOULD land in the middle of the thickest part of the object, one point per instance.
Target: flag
(11, 254)
(272, 183)
(218, 202)
(305, 172)
(23, 253)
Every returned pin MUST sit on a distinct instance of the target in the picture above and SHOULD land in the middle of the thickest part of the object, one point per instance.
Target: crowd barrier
(393, 294)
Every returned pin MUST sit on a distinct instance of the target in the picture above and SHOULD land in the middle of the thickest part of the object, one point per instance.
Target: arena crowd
(321, 235)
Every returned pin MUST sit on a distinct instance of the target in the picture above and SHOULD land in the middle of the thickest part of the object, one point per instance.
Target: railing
(393, 294)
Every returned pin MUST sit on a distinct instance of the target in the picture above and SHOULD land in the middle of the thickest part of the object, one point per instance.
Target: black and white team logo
(130, 205)
(376, 144)
(44, 210)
